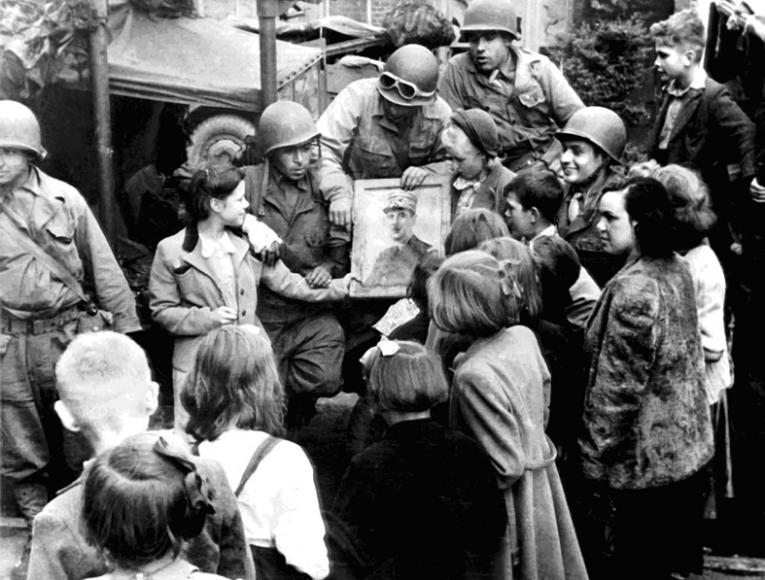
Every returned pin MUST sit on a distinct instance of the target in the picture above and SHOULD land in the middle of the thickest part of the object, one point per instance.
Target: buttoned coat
(184, 292)
(500, 396)
(646, 418)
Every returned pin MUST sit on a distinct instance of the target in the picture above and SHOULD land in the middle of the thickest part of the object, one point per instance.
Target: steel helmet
(19, 128)
(410, 76)
(601, 127)
(285, 124)
(491, 15)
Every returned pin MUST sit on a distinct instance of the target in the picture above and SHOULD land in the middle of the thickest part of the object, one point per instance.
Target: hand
(340, 212)
(224, 315)
(270, 254)
(259, 235)
(349, 278)
(414, 177)
(319, 277)
(757, 191)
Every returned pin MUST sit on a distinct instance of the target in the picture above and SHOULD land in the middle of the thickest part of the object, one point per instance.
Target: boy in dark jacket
(700, 126)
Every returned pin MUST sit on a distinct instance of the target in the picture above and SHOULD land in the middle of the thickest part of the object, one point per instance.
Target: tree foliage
(605, 61)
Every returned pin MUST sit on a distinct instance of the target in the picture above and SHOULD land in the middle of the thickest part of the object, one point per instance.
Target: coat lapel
(686, 112)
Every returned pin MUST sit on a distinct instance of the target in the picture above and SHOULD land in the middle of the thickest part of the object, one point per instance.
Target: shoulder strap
(33, 248)
(260, 453)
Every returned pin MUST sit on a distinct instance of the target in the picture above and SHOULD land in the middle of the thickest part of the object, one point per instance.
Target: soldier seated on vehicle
(283, 193)
(383, 127)
(525, 93)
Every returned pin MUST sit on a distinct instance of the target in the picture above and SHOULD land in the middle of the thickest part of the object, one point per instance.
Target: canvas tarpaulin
(195, 61)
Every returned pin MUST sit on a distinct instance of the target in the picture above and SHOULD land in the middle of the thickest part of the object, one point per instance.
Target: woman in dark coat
(647, 431)
(422, 503)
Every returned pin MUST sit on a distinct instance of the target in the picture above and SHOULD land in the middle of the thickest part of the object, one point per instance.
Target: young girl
(205, 276)
(423, 502)
(694, 219)
(500, 396)
(236, 409)
(141, 499)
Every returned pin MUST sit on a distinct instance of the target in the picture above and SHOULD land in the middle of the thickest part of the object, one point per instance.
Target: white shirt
(219, 254)
(279, 503)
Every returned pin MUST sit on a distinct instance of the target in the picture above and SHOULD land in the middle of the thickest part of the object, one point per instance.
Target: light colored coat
(500, 396)
(183, 292)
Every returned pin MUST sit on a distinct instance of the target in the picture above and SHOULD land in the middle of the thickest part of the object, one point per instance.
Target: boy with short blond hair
(106, 393)
(700, 126)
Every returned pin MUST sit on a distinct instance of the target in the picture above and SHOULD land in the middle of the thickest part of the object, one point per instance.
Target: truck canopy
(195, 61)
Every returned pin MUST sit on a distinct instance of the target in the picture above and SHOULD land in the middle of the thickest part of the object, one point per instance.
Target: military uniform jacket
(60, 220)
(541, 100)
(309, 240)
(358, 142)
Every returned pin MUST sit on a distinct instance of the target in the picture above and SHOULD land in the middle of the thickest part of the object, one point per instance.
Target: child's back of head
(141, 499)
(472, 227)
(473, 293)
(233, 384)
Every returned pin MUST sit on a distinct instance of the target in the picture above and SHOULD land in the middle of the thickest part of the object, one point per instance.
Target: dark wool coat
(711, 134)
(422, 503)
(646, 419)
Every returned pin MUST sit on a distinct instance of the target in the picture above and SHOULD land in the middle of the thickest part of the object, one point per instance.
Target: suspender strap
(260, 453)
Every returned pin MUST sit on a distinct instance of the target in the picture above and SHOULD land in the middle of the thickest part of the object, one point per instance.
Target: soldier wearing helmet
(383, 127)
(524, 91)
(56, 269)
(593, 143)
(283, 193)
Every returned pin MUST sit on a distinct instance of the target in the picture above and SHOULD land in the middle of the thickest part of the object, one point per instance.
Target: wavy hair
(409, 381)
(136, 505)
(525, 269)
(472, 227)
(233, 383)
(689, 195)
(472, 293)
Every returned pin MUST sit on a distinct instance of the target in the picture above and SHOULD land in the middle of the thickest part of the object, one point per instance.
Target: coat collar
(198, 261)
(48, 202)
(525, 63)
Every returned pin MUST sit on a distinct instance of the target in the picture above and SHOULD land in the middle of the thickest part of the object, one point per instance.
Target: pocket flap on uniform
(61, 230)
(532, 98)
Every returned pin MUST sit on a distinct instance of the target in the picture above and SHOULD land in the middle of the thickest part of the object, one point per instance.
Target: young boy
(700, 126)
(533, 200)
(104, 381)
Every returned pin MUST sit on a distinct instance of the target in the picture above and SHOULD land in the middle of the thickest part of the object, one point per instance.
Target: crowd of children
(555, 410)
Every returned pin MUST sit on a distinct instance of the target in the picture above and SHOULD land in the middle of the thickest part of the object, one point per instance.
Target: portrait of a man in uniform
(394, 265)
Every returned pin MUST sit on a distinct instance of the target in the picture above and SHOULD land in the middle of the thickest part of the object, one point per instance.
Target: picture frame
(381, 268)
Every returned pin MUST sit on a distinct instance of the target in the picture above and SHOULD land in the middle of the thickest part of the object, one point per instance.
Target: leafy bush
(605, 61)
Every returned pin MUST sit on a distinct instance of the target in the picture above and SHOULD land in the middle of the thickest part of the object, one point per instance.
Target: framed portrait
(392, 230)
